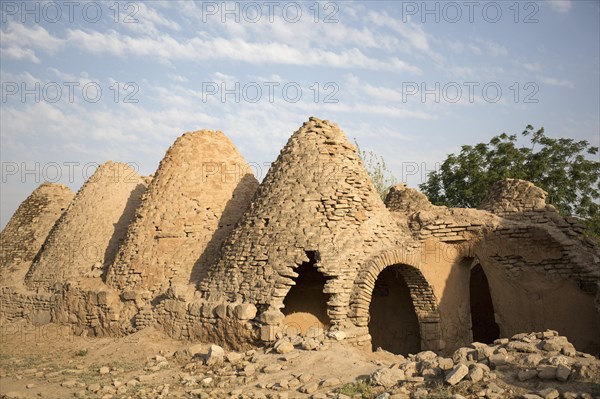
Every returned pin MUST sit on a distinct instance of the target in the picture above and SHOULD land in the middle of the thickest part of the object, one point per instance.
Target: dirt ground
(50, 362)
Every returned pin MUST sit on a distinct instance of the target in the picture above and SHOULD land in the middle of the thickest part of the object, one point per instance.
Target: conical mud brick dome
(85, 240)
(26, 231)
(201, 189)
(317, 206)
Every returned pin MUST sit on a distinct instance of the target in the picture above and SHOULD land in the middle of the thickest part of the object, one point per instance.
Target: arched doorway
(483, 322)
(393, 322)
(421, 294)
(305, 305)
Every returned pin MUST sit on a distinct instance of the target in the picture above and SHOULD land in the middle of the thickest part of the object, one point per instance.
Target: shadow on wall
(121, 228)
(232, 214)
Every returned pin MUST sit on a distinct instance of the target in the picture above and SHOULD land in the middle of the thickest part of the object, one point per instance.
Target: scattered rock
(498, 359)
(387, 378)
(445, 363)
(521, 347)
(562, 372)
(330, 382)
(310, 388)
(546, 372)
(337, 335)
(525, 375)
(310, 344)
(194, 350)
(271, 368)
(216, 355)
(94, 388)
(234, 357)
(282, 346)
(549, 393)
(457, 374)
(476, 374)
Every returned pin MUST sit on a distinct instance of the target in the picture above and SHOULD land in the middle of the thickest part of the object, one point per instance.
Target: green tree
(562, 167)
(381, 176)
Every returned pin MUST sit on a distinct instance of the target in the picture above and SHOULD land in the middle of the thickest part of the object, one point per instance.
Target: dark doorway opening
(393, 322)
(305, 305)
(485, 329)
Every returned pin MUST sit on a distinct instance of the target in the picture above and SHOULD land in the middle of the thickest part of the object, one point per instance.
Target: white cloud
(382, 93)
(561, 6)
(455, 46)
(178, 78)
(382, 110)
(476, 50)
(22, 36)
(556, 82)
(166, 48)
(17, 53)
(82, 79)
(223, 77)
(533, 67)
(493, 48)
(141, 18)
(413, 33)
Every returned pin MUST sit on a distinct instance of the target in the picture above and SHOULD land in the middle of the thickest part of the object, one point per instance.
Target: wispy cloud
(493, 48)
(166, 48)
(22, 36)
(533, 67)
(411, 32)
(561, 6)
(556, 82)
(18, 53)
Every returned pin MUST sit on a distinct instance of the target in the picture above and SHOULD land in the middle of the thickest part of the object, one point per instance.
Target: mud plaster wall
(26, 231)
(537, 262)
(84, 241)
(201, 189)
(538, 292)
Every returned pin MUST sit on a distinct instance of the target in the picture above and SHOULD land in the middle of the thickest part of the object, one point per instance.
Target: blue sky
(166, 68)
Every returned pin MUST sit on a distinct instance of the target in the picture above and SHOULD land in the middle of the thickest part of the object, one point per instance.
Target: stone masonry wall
(84, 312)
(513, 195)
(316, 197)
(23, 236)
(402, 199)
(525, 251)
(527, 222)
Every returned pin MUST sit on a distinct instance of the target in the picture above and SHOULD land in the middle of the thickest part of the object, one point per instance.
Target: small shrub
(82, 352)
(439, 392)
(360, 387)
